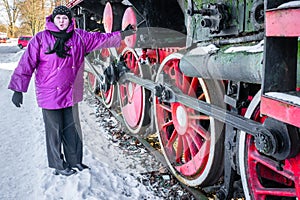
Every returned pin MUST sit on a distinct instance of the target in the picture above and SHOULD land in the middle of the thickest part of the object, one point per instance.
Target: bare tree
(33, 13)
(12, 11)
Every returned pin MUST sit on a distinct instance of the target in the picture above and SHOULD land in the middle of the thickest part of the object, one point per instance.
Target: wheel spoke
(196, 138)
(186, 150)
(108, 96)
(193, 87)
(169, 123)
(186, 84)
(199, 117)
(136, 71)
(201, 97)
(287, 192)
(165, 107)
(172, 138)
(191, 145)
(179, 150)
(132, 62)
(200, 131)
(178, 76)
(270, 164)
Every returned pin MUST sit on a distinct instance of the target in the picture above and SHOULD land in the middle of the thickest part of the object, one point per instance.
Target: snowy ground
(24, 171)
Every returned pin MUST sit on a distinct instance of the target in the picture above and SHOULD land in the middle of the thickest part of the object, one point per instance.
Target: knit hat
(62, 10)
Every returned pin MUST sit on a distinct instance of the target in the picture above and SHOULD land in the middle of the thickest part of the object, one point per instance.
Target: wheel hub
(281, 142)
(264, 144)
(180, 118)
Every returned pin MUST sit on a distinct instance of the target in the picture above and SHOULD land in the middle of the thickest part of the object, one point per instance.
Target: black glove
(17, 98)
(129, 30)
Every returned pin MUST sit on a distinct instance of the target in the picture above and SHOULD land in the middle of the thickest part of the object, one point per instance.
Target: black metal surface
(215, 17)
(93, 6)
(288, 141)
(280, 64)
(237, 94)
(158, 13)
(269, 4)
(226, 191)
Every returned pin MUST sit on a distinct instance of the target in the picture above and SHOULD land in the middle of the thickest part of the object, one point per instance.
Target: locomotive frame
(215, 80)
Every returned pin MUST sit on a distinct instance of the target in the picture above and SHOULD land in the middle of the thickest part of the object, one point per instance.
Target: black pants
(63, 130)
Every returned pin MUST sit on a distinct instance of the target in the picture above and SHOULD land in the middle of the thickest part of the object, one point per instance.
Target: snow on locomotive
(216, 82)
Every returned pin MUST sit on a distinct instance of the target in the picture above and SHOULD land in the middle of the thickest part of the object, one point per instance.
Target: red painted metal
(132, 104)
(264, 179)
(164, 53)
(180, 122)
(280, 110)
(108, 18)
(91, 79)
(108, 95)
(131, 94)
(283, 22)
(129, 17)
(73, 3)
(186, 141)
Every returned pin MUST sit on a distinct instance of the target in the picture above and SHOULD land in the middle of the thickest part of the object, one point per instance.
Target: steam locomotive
(217, 82)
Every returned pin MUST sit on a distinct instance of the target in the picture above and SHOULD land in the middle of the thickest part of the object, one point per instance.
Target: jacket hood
(52, 27)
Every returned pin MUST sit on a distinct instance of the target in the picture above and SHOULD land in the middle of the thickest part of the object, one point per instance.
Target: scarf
(59, 47)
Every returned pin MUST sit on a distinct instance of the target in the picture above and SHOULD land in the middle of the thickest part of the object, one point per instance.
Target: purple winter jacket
(58, 81)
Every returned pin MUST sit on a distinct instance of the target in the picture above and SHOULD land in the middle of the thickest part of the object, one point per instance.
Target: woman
(56, 55)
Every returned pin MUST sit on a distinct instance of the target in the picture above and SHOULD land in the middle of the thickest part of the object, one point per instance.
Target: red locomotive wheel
(100, 60)
(92, 82)
(112, 16)
(108, 97)
(135, 108)
(129, 17)
(192, 142)
(91, 77)
(261, 177)
(108, 18)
